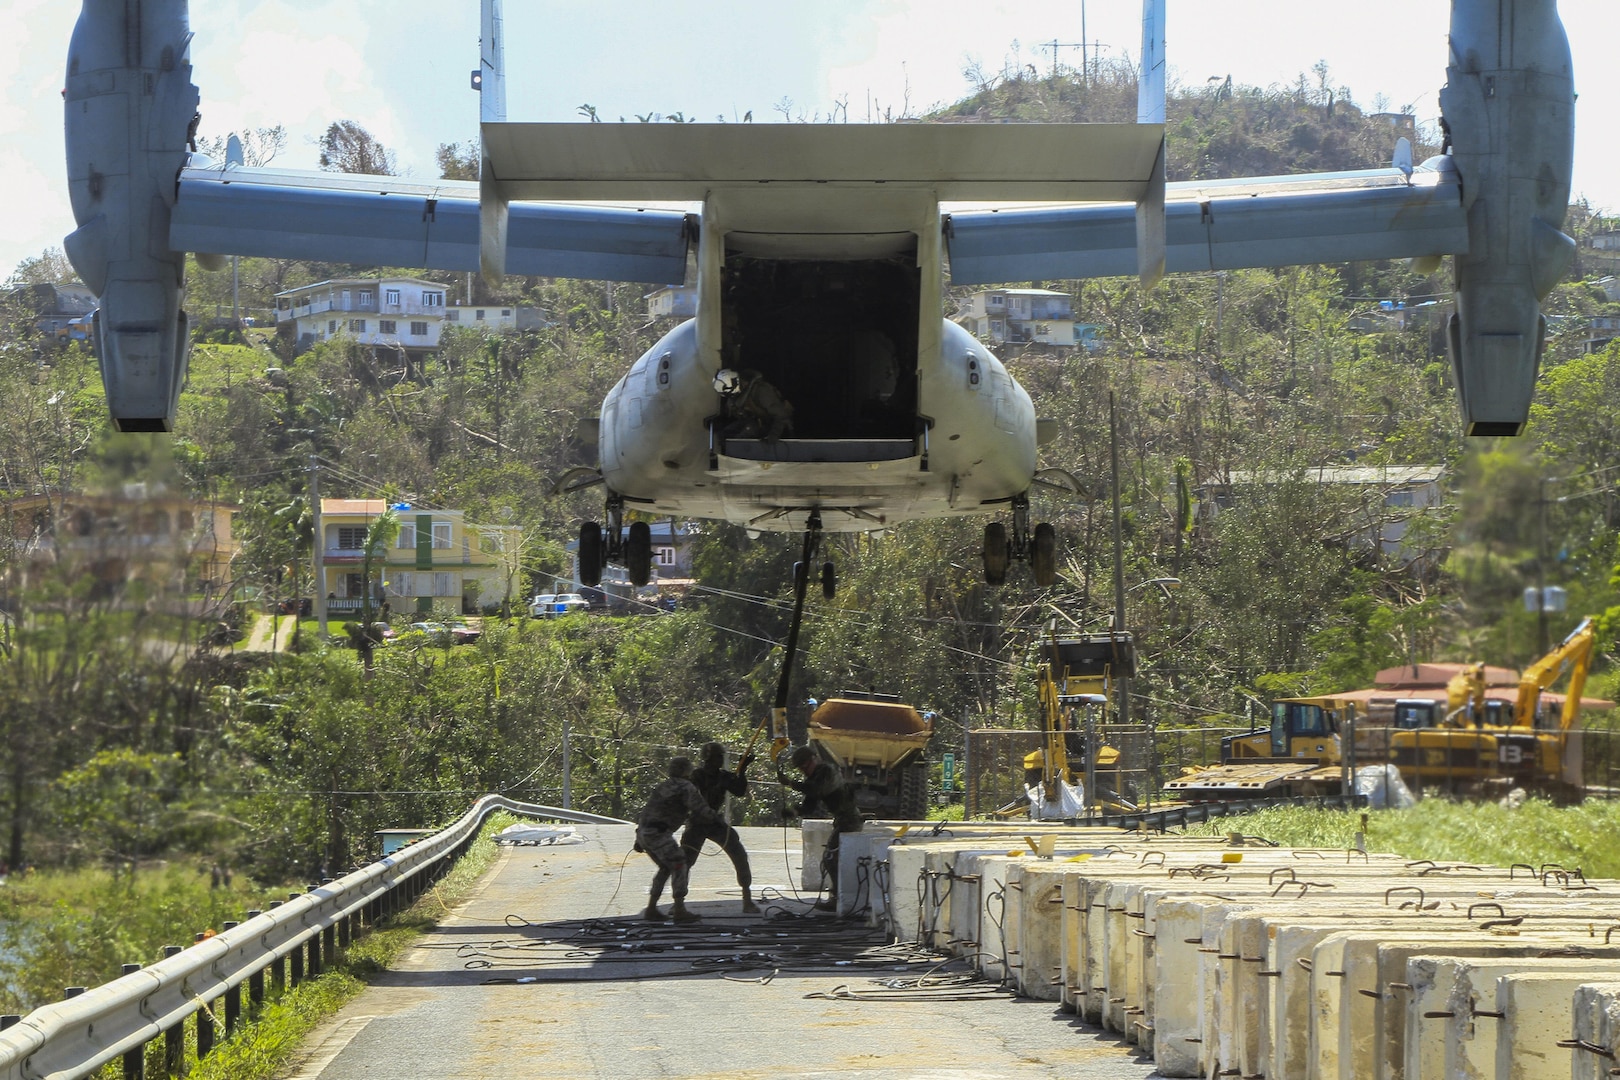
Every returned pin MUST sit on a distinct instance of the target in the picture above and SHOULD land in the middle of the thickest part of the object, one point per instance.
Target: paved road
(548, 971)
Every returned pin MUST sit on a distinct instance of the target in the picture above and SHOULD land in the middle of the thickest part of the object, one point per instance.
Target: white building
(672, 302)
(1020, 316)
(391, 313)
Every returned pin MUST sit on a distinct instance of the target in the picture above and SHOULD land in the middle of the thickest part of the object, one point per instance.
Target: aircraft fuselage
(837, 302)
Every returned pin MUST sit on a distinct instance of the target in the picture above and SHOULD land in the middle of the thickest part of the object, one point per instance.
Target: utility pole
(317, 547)
(568, 769)
(1541, 567)
(1123, 709)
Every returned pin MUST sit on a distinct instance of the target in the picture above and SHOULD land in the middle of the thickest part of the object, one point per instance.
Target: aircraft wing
(1222, 225)
(395, 221)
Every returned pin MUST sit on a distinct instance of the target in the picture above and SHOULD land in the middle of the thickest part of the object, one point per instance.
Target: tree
(259, 146)
(49, 267)
(458, 161)
(349, 148)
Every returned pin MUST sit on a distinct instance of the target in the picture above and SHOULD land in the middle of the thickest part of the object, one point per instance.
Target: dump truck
(879, 746)
(1299, 754)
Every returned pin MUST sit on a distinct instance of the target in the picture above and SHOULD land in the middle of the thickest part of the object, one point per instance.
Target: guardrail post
(71, 992)
(313, 966)
(134, 1060)
(329, 946)
(255, 980)
(345, 931)
(174, 1039)
(233, 996)
(10, 1020)
(295, 964)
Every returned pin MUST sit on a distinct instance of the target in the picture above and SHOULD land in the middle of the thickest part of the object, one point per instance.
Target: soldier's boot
(652, 914)
(681, 915)
(749, 907)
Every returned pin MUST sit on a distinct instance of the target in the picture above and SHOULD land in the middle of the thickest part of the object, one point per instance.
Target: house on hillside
(672, 302)
(141, 533)
(1024, 317)
(1388, 498)
(60, 311)
(440, 564)
(387, 313)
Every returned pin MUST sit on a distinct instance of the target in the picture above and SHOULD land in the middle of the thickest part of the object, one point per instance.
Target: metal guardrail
(118, 1019)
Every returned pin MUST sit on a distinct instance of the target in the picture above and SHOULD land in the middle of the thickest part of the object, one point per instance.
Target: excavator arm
(1572, 656)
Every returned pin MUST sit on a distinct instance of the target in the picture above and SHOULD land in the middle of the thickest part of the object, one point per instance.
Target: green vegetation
(1536, 833)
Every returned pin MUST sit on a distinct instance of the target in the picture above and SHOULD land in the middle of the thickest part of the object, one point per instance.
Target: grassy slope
(1536, 833)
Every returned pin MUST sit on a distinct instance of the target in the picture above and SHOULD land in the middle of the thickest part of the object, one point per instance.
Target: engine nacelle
(130, 105)
(1509, 112)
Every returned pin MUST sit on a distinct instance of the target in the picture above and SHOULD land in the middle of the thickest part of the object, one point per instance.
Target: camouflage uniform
(671, 804)
(824, 790)
(715, 784)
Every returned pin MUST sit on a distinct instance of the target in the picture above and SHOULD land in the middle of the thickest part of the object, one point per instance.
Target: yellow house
(440, 564)
(138, 534)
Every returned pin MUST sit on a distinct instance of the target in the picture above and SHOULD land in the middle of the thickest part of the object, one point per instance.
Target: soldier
(757, 410)
(824, 789)
(715, 781)
(672, 803)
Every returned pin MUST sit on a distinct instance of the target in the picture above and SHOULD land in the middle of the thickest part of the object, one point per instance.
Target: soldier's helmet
(680, 768)
(714, 754)
(727, 381)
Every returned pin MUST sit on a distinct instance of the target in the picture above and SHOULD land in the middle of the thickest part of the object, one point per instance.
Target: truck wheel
(914, 792)
(638, 553)
(590, 554)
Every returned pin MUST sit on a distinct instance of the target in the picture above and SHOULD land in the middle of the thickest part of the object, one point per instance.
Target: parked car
(436, 633)
(462, 634)
(550, 605)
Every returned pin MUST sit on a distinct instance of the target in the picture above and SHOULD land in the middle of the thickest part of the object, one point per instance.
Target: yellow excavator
(1478, 742)
(1078, 681)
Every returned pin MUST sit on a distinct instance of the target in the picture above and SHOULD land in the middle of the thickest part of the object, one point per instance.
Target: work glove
(747, 760)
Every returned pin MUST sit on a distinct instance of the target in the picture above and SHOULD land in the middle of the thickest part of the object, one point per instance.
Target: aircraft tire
(638, 553)
(1043, 554)
(996, 553)
(590, 554)
(829, 580)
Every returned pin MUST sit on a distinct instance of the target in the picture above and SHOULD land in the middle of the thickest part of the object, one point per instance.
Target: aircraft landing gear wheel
(1043, 554)
(590, 554)
(996, 553)
(829, 580)
(638, 553)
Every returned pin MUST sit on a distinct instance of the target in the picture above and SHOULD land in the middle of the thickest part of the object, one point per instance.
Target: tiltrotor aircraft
(820, 261)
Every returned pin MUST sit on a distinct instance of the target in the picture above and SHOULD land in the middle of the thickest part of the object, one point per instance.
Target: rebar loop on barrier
(1589, 1047)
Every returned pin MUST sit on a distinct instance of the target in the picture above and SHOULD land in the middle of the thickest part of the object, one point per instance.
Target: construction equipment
(1298, 755)
(878, 745)
(1522, 748)
(1076, 684)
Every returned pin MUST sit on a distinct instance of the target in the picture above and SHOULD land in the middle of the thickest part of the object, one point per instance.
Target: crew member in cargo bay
(824, 791)
(674, 802)
(716, 781)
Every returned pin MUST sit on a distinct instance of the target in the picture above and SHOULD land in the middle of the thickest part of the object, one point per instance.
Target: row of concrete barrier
(1233, 958)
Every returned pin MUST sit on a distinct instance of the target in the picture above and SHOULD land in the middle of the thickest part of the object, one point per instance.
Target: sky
(401, 68)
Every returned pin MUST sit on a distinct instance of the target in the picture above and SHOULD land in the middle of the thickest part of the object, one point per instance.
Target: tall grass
(1536, 833)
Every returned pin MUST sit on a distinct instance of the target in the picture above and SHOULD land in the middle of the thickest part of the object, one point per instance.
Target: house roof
(1435, 676)
(1028, 292)
(1371, 475)
(353, 506)
(364, 281)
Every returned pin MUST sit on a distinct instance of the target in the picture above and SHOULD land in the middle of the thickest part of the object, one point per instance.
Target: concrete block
(1597, 1030)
